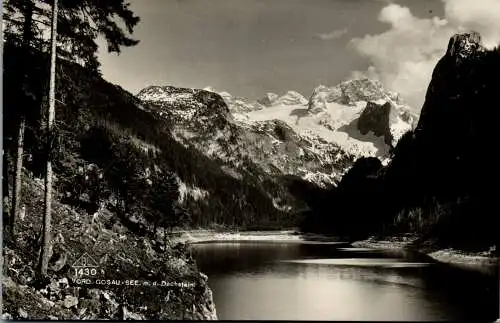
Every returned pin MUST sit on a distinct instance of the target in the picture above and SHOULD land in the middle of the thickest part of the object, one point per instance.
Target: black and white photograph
(293, 160)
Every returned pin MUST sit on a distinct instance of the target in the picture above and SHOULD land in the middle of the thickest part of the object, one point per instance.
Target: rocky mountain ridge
(360, 116)
(271, 146)
(315, 139)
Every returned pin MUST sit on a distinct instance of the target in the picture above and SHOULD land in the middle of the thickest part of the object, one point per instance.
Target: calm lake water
(298, 281)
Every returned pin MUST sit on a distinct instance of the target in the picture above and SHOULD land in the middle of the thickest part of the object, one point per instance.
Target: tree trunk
(165, 238)
(45, 255)
(18, 171)
(5, 174)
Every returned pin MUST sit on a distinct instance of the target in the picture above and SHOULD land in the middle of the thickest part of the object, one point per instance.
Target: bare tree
(46, 247)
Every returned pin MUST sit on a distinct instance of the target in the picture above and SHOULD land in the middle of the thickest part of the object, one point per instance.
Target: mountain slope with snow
(269, 146)
(333, 114)
(316, 139)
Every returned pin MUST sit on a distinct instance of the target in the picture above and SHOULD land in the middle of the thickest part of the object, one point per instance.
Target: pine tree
(46, 254)
(80, 22)
(27, 9)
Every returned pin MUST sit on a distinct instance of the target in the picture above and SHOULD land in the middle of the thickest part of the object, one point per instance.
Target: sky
(252, 47)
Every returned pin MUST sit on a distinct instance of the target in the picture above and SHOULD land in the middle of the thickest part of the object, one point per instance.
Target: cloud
(335, 34)
(404, 56)
(482, 16)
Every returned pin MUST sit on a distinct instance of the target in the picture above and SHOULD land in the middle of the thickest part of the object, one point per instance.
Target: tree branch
(21, 22)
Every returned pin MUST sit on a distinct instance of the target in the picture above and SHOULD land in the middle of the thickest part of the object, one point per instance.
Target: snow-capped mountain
(269, 99)
(290, 98)
(362, 94)
(242, 105)
(360, 116)
(236, 104)
(202, 119)
(316, 139)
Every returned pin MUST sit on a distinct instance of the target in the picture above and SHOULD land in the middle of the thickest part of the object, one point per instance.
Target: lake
(254, 280)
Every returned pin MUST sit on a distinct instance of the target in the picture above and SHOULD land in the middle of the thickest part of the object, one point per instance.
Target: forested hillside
(113, 151)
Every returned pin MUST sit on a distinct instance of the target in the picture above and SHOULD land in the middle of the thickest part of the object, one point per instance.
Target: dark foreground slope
(441, 180)
(113, 187)
(117, 266)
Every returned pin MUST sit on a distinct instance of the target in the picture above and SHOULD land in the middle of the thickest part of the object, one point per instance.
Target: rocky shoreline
(205, 236)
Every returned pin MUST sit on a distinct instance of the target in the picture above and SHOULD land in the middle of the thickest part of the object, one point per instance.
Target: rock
(203, 276)
(361, 90)
(82, 311)
(63, 282)
(43, 291)
(268, 100)
(317, 101)
(375, 118)
(22, 213)
(128, 315)
(60, 262)
(350, 92)
(22, 313)
(7, 316)
(178, 265)
(284, 132)
(208, 310)
(70, 301)
(464, 45)
(47, 302)
(53, 288)
(291, 98)
(109, 300)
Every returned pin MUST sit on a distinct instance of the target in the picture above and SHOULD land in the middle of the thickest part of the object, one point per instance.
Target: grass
(419, 220)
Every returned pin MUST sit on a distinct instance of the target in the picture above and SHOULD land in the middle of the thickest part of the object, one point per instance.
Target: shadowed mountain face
(375, 118)
(445, 161)
(456, 130)
(268, 100)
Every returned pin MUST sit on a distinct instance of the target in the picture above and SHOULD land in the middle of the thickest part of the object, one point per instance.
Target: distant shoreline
(206, 236)
(478, 261)
(474, 261)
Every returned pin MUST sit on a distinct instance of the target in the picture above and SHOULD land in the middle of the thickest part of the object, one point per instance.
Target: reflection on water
(290, 281)
(370, 262)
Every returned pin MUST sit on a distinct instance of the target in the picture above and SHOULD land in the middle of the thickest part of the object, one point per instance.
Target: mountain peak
(466, 74)
(269, 99)
(209, 89)
(292, 98)
(464, 45)
(350, 93)
(162, 92)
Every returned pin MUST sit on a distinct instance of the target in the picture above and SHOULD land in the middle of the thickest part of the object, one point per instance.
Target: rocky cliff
(341, 107)
(375, 118)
